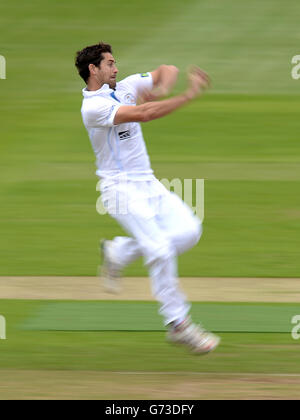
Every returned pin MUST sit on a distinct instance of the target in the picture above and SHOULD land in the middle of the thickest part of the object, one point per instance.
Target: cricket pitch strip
(202, 289)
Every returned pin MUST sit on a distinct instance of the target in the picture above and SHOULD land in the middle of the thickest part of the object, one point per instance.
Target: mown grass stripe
(143, 316)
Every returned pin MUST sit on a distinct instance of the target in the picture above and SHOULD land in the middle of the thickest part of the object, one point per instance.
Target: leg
(160, 235)
(138, 218)
(160, 258)
(183, 228)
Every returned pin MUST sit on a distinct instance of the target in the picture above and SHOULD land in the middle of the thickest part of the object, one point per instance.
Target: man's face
(107, 71)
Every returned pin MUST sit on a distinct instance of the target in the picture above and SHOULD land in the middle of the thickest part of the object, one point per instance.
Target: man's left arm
(164, 78)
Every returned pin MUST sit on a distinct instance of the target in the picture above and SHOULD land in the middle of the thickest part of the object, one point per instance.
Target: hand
(198, 81)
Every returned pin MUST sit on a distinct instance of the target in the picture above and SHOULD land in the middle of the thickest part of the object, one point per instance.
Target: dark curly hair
(90, 55)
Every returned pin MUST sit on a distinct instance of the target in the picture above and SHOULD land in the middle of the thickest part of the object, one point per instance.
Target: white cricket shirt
(119, 149)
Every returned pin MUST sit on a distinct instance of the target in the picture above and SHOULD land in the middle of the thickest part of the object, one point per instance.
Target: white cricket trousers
(161, 226)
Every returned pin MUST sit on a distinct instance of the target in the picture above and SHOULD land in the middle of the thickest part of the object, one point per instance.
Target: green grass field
(140, 364)
(242, 138)
(113, 350)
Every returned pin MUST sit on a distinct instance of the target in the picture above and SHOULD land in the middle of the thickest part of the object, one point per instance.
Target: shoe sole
(199, 351)
(209, 349)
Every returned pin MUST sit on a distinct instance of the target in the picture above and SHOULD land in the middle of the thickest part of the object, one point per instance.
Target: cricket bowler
(159, 224)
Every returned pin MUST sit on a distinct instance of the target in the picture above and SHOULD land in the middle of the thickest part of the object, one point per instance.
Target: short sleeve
(100, 113)
(139, 82)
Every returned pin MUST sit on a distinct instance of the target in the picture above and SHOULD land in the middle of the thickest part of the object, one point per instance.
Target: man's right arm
(149, 111)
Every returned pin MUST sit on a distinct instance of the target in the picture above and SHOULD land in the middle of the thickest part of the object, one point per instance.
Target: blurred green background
(242, 137)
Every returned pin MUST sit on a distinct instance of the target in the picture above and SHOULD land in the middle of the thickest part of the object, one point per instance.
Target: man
(160, 224)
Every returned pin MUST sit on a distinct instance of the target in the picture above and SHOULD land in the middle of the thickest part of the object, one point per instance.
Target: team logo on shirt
(129, 99)
(144, 74)
(123, 135)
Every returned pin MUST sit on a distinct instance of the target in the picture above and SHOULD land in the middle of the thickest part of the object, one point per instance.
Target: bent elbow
(174, 68)
(170, 67)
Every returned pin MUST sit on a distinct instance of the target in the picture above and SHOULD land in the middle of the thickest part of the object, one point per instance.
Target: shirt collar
(88, 93)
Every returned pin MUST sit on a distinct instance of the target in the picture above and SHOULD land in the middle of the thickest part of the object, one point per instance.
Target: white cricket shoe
(110, 270)
(194, 336)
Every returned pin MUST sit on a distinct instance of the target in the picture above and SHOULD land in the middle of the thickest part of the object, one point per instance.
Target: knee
(194, 233)
(189, 237)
